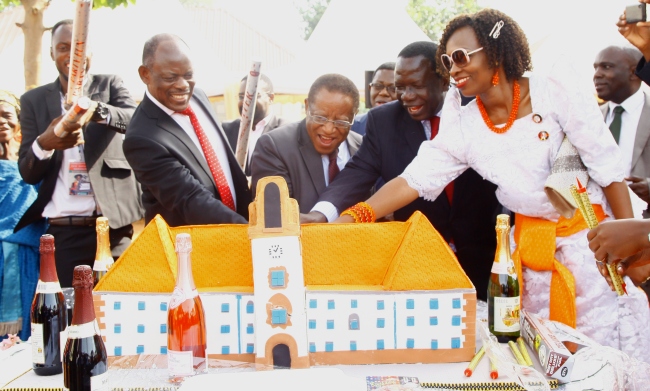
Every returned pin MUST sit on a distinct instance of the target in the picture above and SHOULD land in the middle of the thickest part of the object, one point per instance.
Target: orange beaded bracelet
(361, 213)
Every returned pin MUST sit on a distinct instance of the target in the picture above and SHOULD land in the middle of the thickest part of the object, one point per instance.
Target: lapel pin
(537, 118)
(543, 135)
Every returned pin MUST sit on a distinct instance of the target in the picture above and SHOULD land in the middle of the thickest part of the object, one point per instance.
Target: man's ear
(271, 97)
(306, 106)
(52, 53)
(145, 75)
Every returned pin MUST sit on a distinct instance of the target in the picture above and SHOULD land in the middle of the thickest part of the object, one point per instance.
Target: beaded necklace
(511, 118)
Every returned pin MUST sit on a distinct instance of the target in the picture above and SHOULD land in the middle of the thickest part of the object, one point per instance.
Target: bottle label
(504, 268)
(180, 363)
(48, 287)
(99, 266)
(99, 382)
(63, 340)
(180, 295)
(85, 330)
(38, 354)
(506, 314)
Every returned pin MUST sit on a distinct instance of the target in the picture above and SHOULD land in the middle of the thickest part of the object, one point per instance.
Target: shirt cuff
(40, 153)
(326, 208)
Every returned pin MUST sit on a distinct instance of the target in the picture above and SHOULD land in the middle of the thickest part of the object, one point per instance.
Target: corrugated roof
(236, 42)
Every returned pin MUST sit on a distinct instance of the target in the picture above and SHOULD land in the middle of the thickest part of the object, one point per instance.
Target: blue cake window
(250, 329)
(139, 349)
(380, 304)
(163, 306)
(330, 324)
(381, 322)
(329, 346)
(455, 303)
(279, 316)
(312, 323)
(410, 304)
(455, 320)
(433, 304)
(434, 344)
(225, 307)
(140, 329)
(380, 344)
(330, 304)
(353, 303)
(163, 350)
(313, 303)
(117, 329)
(353, 346)
(225, 350)
(433, 320)
(277, 278)
(410, 321)
(354, 324)
(410, 343)
(250, 307)
(163, 328)
(250, 348)
(117, 351)
(312, 347)
(117, 305)
(142, 306)
(455, 343)
(225, 329)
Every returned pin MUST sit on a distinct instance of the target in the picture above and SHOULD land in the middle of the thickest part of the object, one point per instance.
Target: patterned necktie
(211, 157)
(333, 168)
(615, 126)
(435, 124)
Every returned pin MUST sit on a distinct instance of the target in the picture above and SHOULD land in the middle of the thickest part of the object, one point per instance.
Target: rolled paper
(494, 373)
(524, 351)
(475, 360)
(74, 114)
(78, 50)
(517, 353)
(247, 113)
(592, 222)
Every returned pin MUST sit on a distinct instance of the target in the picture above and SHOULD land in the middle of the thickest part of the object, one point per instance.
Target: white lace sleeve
(582, 121)
(441, 160)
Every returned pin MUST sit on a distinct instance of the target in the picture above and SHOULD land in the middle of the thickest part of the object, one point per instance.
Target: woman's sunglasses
(460, 57)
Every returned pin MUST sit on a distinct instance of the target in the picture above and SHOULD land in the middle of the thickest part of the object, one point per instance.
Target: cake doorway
(281, 356)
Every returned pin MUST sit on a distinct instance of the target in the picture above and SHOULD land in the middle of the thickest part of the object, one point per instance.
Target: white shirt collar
(632, 103)
(155, 101)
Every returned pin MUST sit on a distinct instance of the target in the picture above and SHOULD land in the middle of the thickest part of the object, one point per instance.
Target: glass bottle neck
(184, 277)
(48, 268)
(502, 253)
(103, 246)
(84, 308)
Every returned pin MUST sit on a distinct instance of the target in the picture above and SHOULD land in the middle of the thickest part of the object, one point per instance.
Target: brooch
(537, 118)
(543, 135)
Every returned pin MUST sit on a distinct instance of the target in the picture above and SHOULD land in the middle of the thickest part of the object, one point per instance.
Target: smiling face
(8, 122)
(379, 97)
(60, 50)
(614, 76)
(476, 77)
(334, 106)
(170, 76)
(422, 89)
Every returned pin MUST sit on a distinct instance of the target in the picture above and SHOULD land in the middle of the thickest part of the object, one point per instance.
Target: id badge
(78, 180)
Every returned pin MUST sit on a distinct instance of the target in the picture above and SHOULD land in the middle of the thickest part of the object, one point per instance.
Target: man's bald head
(152, 44)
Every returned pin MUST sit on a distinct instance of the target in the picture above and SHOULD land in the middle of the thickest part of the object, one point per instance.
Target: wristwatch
(101, 112)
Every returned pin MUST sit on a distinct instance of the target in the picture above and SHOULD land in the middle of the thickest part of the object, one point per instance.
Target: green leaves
(111, 3)
(433, 15)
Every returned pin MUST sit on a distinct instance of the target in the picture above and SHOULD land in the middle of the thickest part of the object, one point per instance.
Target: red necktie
(211, 157)
(333, 168)
(435, 124)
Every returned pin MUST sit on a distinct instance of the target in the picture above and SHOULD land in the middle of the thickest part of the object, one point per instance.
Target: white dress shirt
(210, 130)
(629, 122)
(62, 203)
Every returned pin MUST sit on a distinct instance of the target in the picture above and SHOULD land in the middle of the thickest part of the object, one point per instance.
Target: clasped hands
(624, 242)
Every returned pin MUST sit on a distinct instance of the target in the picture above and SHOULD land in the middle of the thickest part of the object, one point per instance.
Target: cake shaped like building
(279, 294)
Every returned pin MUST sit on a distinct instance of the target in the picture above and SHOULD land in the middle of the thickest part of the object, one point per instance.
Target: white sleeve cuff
(326, 208)
(41, 154)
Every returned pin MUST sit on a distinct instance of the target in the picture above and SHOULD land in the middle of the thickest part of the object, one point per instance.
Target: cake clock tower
(280, 311)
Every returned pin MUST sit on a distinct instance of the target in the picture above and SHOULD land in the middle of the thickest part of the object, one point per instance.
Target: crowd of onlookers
(459, 153)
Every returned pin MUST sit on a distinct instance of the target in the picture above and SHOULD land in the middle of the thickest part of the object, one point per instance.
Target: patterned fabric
(435, 126)
(19, 257)
(213, 161)
(519, 162)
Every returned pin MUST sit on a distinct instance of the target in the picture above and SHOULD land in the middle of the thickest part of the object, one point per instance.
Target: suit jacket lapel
(168, 124)
(414, 132)
(53, 100)
(311, 157)
(642, 131)
(353, 145)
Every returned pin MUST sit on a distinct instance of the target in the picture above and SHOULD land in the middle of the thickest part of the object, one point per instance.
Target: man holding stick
(177, 149)
(54, 162)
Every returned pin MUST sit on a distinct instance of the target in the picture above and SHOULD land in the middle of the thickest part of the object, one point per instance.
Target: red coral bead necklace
(511, 118)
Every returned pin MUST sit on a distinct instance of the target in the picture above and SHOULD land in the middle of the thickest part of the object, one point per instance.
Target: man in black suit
(176, 147)
(94, 152)
(264, 120)
(465, 214)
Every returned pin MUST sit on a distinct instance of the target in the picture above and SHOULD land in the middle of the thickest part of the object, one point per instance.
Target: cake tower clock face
(275, 251)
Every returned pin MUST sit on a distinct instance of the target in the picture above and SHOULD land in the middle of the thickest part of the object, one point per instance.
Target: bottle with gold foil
(103, 257)
(503, 288)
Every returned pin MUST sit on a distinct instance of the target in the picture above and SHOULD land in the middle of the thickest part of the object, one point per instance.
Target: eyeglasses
(320, 120)
(380, 87)
(460, 57)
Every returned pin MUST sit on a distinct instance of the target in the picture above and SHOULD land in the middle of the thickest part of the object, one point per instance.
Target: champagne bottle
(84, 359)
(103, 257)
(503, 287)
(48, 314)
(186, 334)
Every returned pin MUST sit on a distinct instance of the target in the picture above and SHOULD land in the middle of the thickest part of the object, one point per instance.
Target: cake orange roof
(394, 256)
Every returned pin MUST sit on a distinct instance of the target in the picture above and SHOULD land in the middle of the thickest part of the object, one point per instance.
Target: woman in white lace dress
(486, 55)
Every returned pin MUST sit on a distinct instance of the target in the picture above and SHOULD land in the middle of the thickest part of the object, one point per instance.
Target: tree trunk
(33, 30)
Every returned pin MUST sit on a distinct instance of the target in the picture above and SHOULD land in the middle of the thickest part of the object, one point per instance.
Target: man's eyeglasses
(320, 120)
(460, 57)
(380, 87)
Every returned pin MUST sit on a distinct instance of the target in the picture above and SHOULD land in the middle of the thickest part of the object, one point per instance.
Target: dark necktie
(435, 125)
(213, 161)
(615, 126)
(333, 168)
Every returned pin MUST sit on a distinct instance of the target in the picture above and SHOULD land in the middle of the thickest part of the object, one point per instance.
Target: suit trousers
(77, 245)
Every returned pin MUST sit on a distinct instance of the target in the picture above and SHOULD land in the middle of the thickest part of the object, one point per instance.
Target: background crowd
(460, 131)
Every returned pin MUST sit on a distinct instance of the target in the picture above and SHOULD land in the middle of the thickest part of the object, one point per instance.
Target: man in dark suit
(176, 147)
(309, 154)
(465, 213)
(264, 120)
(95, 151)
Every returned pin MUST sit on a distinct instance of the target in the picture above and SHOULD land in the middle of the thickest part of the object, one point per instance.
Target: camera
(635, 13)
